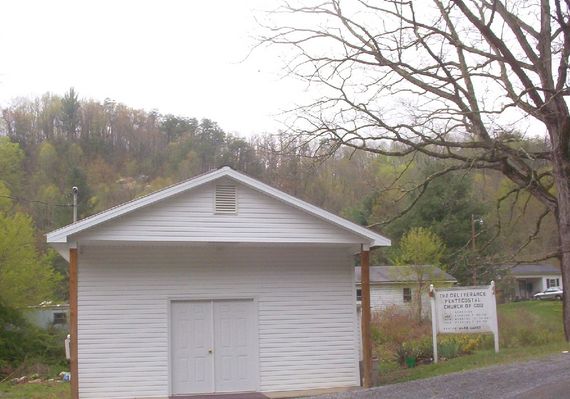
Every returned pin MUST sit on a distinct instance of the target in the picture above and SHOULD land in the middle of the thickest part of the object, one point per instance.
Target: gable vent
(226, 199)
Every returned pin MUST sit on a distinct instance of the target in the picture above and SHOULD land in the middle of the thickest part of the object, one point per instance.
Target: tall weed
(395, 326)
(523, 329)
(22, 344)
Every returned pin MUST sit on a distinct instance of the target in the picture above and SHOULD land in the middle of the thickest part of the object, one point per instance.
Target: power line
(21, 199)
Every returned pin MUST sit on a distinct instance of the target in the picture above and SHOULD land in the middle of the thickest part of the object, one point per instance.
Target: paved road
(547, 378)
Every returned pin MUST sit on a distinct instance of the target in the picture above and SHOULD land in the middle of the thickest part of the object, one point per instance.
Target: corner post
(73, 322)
(366, 316)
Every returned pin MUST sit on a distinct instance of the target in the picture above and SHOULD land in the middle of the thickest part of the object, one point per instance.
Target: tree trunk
(561, 169)
(565, 266)
(564, 257)
(419, 300)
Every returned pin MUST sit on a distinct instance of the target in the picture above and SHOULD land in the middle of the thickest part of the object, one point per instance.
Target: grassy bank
(45, 390)
(527, 330)
(483, 358)
(549, 312)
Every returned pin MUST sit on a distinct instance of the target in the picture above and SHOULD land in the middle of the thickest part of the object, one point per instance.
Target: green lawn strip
(391, 375)
(549, 311)
(45, 390)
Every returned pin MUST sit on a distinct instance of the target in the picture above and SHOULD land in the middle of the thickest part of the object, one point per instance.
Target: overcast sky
(177, 56)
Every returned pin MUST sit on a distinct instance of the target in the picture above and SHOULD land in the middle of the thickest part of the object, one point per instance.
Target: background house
(218, 284)
(48, 315)
(530, 278)
(396, 285)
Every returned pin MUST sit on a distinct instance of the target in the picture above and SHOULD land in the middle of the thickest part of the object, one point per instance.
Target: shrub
(395, 326)
(420, 349)
(466, 343)
(396, 333)
(424, 348)
(402, 352)
(377, 336)
(471, 344)
(22, 343)
(449, 348)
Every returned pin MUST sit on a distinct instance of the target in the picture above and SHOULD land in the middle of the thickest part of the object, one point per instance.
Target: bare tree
(452, 79)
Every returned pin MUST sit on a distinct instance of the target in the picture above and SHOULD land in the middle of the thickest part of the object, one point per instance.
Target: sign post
(433, 322)
(460, 310)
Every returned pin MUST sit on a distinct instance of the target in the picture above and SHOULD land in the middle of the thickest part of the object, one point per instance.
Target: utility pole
(75, 191)
(479, 221)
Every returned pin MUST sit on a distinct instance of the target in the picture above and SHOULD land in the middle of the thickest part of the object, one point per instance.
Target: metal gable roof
(401, 274)
(533, 269)
(61, 235)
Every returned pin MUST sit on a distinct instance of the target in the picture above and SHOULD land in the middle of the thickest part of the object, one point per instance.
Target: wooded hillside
(114, 153)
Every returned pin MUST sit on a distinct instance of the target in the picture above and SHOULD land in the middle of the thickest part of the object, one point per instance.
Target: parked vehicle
(550, 293)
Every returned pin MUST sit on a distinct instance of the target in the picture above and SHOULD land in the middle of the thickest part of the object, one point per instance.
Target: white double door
(213, 346)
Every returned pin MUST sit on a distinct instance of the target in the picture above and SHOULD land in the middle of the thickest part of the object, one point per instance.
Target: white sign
(464, 310)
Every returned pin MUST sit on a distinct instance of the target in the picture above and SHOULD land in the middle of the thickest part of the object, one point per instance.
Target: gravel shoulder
(537, 379)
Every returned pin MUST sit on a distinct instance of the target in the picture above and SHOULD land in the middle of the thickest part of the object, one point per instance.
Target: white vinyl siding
(305, 313)
(385, 295)
(191, 216)
(392, 294)
(551, 281)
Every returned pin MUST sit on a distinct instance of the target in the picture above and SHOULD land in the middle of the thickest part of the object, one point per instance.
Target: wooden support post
(73, 322)
(366, 316)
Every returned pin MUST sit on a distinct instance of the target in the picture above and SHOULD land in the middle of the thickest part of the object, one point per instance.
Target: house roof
(369, 237)
(399, 274)
(533, 269)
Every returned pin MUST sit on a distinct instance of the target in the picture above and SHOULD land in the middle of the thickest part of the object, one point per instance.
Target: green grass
(390, 375)
(550, 312)
(546, 314)
(46, 390)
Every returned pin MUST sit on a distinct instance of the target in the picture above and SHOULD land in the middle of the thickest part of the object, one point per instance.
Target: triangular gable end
(201, 210)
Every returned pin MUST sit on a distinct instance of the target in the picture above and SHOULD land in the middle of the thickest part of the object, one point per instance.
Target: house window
(59, 318)
(552, 282)
(358, 294)
(407, 294)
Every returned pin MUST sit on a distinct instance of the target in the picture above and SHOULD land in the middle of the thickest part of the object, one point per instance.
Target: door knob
(210, 351)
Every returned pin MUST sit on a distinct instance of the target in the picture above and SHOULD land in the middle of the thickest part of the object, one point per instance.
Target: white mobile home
(48, 315)
(397, 285)
(218, 284)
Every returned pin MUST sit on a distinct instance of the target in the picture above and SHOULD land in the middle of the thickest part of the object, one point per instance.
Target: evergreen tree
(70, 114)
